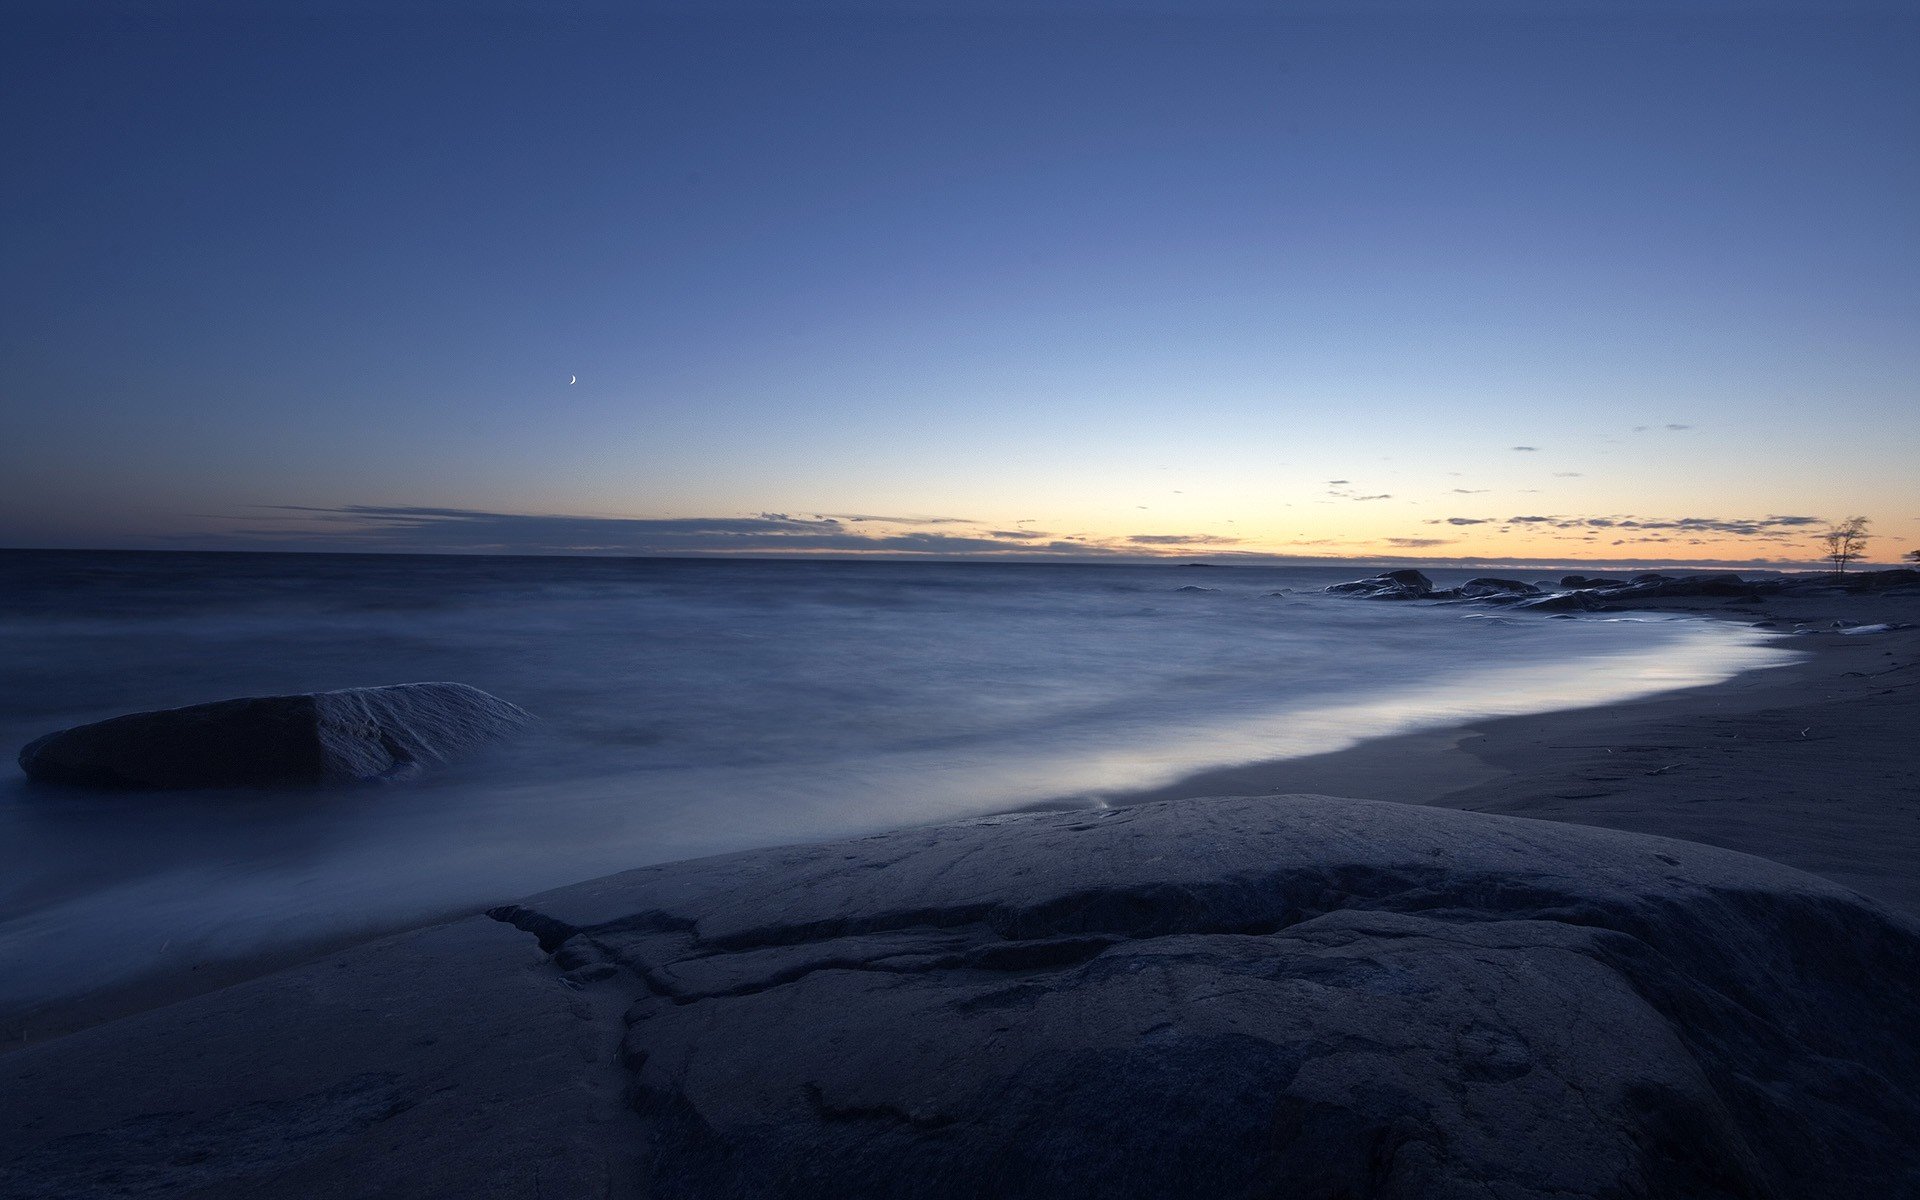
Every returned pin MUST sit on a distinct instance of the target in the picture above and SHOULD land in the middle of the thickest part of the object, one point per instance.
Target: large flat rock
(446, 1062)
(1302, 997)
(1286, 996)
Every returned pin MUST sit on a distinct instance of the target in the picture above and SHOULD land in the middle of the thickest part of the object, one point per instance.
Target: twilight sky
(1398, 279)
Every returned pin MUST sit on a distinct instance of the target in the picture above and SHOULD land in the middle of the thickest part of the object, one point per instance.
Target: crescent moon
(572, 379)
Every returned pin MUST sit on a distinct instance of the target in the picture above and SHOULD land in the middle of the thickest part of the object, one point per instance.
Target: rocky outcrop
(1590, 581)
(317, 737)
(1388, 585)
(1561, 602)
(1585, 592)
(1489, 588)
(1296, 996)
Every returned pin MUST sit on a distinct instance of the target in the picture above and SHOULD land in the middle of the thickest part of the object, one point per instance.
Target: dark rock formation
(1389, 585)
(1296, 996)
(1590, 581)
(1561, 602)
(1658, 587)
(1585, 592)
(1875, 581)
(1490, 588)
(318, 737)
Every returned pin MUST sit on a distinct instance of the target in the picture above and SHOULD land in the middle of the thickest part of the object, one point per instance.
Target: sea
(689, 707)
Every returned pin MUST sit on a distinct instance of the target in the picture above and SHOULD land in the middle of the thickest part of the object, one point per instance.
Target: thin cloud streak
(420, 529)
(1629, 530)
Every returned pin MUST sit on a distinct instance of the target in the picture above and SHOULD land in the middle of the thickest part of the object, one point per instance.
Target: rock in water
(1475, 589)
(318, 737)
(1406, 584)
(1302, 997)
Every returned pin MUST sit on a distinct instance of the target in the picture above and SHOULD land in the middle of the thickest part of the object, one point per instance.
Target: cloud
(460, 530)
(1566, 474)
(1337, 488)
(420, 529)
(1470, 491)
(1406, 543)
(891, 520)
(1181, 539)
(1528, 449)
(1774, 527)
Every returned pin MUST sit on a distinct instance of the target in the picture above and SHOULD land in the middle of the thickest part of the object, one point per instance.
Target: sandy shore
(1809, 764)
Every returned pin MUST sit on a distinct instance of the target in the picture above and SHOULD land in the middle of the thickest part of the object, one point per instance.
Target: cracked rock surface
(1294, 996)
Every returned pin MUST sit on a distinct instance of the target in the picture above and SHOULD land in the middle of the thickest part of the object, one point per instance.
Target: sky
(1481, 282)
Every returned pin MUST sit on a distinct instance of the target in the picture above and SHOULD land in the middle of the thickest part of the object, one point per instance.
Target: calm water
(692, 707)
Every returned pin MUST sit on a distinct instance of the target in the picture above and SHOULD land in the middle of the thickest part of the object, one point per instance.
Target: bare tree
(1844, 543)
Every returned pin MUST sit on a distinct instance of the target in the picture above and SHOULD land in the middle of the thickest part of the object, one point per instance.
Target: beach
(1807, 763)
(501, 1049)
(960, 601)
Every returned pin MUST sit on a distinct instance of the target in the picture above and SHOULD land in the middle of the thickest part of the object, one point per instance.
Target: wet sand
(1811, 764)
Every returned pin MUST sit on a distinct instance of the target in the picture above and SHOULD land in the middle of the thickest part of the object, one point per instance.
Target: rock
(1476, 589)
(317, 737)
(1404, 584)
(1662, 587)
(1294, 996)
(1875, 581)
(1562, 602)
(1590, 581)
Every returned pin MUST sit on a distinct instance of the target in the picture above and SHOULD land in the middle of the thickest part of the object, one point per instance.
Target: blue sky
(1112, 273)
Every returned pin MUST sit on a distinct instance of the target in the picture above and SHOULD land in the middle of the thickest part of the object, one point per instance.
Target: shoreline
(1563, 765)
(1725, 764)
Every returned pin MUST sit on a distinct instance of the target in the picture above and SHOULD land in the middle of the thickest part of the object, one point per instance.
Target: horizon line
(1242, 558)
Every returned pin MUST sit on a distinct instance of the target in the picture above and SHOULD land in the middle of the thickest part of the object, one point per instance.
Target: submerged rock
(1294, 996)
(316, 737)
